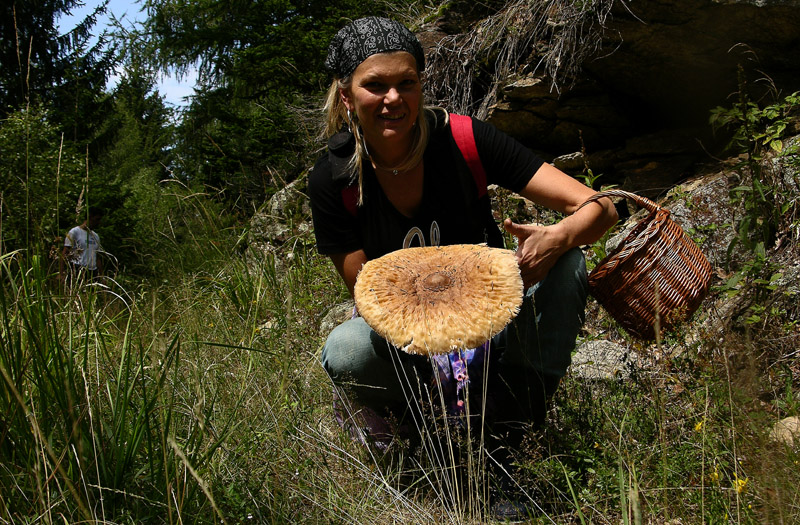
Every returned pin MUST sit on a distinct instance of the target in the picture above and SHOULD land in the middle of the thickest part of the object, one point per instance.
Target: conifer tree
(66, 72)
(260, 67)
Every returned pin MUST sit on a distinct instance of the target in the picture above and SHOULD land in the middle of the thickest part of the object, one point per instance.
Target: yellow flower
(739, 484)
(699, 425)
(714, 475)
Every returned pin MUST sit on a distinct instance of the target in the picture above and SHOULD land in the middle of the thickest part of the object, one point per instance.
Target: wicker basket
(657, 276)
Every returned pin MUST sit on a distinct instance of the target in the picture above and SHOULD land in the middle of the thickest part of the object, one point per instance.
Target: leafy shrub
(768, 187)
(42, 178)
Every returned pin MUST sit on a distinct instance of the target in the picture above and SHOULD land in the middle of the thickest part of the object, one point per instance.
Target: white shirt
(84, 244)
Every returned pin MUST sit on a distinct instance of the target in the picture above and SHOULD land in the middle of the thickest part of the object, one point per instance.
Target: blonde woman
(393, 173)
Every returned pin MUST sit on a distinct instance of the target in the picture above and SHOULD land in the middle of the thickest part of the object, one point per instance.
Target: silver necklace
(394, 171)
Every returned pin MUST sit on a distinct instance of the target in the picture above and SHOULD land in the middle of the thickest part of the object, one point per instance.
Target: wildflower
(714, 475)
(699, 425)
(739, 484)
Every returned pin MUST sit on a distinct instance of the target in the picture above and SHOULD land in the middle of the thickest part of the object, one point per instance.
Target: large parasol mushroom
(432, 300)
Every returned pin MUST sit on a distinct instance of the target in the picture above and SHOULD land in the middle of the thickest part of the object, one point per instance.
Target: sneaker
(511, 511)
(510, 504)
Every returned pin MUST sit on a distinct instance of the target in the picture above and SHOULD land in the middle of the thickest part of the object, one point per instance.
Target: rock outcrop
(640, 107)
(286, 215)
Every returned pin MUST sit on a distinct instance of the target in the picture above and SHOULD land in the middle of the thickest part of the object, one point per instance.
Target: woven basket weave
(656, 276)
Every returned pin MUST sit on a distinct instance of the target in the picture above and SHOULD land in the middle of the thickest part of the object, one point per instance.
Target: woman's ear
(346, 100)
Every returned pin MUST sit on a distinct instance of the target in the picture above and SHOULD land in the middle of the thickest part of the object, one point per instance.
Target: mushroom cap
(432, 300)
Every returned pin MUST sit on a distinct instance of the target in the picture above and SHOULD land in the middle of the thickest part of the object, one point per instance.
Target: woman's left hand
(538, 249)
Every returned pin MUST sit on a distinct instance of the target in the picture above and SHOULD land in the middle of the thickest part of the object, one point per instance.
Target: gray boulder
(603, 360)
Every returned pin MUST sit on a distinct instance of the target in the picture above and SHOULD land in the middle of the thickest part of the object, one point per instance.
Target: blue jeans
(535, 349)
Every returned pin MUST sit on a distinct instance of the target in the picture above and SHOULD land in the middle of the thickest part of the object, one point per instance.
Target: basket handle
(644, 237)
(638, 199)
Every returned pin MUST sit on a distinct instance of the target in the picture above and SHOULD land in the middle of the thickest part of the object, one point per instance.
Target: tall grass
(88, 409)
(199, 398)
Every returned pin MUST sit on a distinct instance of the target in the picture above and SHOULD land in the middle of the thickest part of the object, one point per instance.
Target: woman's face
(385, 94)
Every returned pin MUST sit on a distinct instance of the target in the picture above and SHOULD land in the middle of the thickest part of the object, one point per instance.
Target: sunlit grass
(201, 399)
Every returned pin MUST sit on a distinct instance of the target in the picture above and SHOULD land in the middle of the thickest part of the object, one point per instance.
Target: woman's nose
(392, 95)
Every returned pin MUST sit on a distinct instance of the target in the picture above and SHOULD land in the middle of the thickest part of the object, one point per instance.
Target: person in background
(81, 246)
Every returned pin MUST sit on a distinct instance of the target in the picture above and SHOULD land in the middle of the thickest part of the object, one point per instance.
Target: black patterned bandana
(365, 37)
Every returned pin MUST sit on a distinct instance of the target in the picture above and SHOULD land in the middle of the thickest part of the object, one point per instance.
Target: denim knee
(374, 372)
(345, 346)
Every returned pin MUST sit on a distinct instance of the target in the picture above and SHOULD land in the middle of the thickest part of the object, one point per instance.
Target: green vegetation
(200, 399)
(767, 192)
(768, 204)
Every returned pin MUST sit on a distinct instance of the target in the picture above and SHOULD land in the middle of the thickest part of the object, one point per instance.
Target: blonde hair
(337, 117)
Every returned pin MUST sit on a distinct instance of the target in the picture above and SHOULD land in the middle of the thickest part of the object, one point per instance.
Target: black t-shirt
(450, 202)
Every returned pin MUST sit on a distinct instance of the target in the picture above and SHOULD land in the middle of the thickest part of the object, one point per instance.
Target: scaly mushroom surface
(433, 300)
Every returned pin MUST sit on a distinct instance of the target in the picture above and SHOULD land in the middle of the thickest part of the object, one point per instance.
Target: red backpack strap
(461, 127)
(350, 199)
